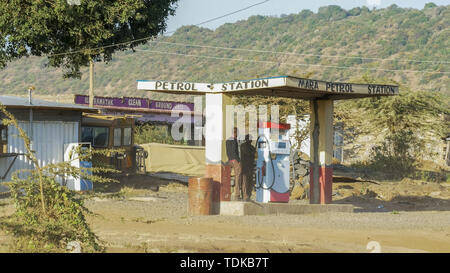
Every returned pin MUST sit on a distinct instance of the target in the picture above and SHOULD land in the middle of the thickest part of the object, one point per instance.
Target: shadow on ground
(135, 181)
(366, 203)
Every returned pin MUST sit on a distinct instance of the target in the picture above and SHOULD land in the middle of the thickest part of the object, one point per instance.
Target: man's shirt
(232, 149)
(247, 156)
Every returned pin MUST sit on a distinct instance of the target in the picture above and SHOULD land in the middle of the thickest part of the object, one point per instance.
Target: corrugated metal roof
(11, 101)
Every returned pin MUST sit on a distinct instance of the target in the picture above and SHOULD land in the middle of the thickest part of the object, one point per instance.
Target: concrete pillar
(321, 155)
(215, 148)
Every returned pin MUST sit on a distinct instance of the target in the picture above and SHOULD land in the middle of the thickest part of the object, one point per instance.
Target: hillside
(406, 35)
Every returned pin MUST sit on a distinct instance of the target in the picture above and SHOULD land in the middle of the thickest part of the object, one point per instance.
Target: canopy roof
(281, 86)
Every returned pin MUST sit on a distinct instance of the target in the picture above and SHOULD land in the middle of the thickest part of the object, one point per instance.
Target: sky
(191, 12)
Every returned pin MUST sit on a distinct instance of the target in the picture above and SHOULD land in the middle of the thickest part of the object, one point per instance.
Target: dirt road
(159, 222)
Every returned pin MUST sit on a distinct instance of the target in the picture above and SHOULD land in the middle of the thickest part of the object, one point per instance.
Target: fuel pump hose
(259, 183)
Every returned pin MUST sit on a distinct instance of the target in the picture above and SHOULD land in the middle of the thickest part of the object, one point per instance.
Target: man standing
(247, 165)
(232, 147)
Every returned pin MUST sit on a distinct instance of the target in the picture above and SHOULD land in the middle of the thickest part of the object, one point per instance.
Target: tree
(407, 121)
(430, 5)
(332, 12)
(94, 29)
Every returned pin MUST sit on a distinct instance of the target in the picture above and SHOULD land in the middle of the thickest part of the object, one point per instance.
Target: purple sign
(151, 117)
(139, 103)
(170, 105)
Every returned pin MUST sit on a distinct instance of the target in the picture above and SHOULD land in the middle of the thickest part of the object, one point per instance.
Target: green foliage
(332, 12)
(406, 121)
(430, 5)
(63, 221)
(355, 11)
(393, 156)
(409, 111)
(47, 215)
(392, 33)
(147, 133)
(39, 27)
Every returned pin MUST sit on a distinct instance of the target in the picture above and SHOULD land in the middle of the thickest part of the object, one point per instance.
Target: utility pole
(30, 102)
(91, 82)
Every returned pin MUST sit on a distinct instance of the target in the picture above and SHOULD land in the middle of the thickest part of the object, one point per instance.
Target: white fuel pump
(272, 165)
(71, 155)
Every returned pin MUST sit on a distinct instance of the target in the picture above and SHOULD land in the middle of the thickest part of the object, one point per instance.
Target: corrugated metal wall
(49, 138)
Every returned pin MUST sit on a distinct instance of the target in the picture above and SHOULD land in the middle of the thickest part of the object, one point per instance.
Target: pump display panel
(281, 145)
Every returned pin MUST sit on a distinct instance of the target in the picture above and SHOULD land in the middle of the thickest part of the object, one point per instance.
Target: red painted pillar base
(325, 184)
(321, 153)
(221, 175)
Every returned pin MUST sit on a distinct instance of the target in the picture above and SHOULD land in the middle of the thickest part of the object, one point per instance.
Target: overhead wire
(293, 64)
(152, 37)
(297, 54)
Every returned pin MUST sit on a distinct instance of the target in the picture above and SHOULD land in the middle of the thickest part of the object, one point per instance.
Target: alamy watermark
(245, 118)
(374, 246)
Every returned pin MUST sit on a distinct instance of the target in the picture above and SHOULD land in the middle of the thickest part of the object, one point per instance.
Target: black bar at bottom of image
(228, 262)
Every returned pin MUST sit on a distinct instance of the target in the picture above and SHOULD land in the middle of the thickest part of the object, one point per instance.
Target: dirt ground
(135, 216)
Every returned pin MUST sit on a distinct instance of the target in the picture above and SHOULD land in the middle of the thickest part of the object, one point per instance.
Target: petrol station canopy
(320, 93)
(281, 86)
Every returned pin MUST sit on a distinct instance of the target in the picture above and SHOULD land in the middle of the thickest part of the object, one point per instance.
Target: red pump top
(280, 126)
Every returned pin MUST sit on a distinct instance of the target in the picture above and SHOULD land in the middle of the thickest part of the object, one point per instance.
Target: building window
(3, 139)
(117, 137)
(127, 136)
(97, 136)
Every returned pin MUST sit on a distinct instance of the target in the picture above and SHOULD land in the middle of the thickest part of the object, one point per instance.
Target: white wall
(49, 138)
(338, 151)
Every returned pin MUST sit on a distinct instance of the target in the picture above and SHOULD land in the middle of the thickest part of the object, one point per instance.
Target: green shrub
(62, 222)
(47, 215)
(148, 133)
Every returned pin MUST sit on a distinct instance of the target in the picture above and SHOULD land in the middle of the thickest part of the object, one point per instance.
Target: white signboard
(164, 86)
(269, 83)
(250, 84)
(189, 87)
(337, 87)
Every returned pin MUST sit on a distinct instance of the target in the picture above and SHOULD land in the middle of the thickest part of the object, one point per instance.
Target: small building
(49, 125)
(162, 114)
(111, 132)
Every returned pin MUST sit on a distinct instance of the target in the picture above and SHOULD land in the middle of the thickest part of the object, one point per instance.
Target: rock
(371, 194)
(300, 192)
(406, 181)
(380, 196)
(435, 193)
